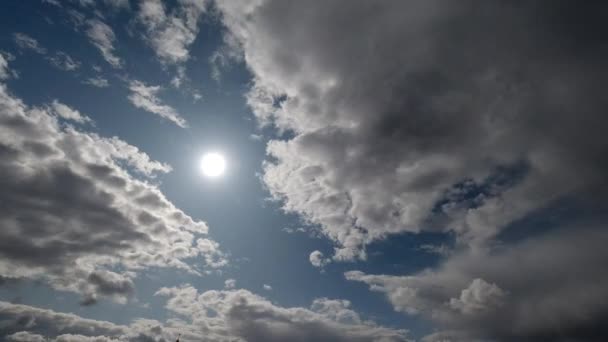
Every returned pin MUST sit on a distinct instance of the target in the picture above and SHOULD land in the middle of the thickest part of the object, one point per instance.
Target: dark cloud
(72, 214)
(551, 288)
(460, 117)
(394, 103)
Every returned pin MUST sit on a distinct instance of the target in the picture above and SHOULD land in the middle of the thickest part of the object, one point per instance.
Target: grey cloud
(243, 316)
(145, 97)
(215, 316)
(102, 37)
(550, 288)
(75, 209)
(394, 105)
(63, 61)
(171, 34)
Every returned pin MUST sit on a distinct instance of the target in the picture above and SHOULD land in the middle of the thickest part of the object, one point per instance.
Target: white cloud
(229, 284)
(267, 287)
(102, 36)
(97, 81)
(214, 316)
(317, 259)
(144, 97)
(171, 34)
(68, 113)
(28, 43)
(75, 209)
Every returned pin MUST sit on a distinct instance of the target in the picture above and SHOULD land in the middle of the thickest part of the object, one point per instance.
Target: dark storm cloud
(460, 117)
(71, 213)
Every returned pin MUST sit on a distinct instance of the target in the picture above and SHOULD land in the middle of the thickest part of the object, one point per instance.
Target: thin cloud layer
(214, 316)
(144, 97)
(77, 208)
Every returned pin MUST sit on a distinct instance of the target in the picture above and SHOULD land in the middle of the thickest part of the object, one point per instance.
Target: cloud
(5, 72)
(79, 211)
(63, 61)
(267, 287)
(451, 117)
(242, 315)
(214, 316)
(102, 36)
(229, 284)
(26, 42)
(317, 259)
(171, 34)
(68, 113)
(144, 97)
(97, 81)
(542, 289)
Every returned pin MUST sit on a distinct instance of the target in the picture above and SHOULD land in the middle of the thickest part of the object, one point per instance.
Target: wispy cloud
(145, 97)
(102, 36)
(63, 61)
(97, 81)
(28, 43)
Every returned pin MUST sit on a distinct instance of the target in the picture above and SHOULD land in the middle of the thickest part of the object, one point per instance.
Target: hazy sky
(425, 170)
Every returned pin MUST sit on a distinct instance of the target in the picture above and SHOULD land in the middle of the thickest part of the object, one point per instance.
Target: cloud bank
(79, 211)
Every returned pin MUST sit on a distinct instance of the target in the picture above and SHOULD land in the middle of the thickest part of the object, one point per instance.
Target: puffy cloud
(28, 43)
(316, 259)
(102, 36)
(243, 316)
(144, 97)
(171, 34)
(229, 284)
(68, 113)
(98, 82)
(235, 315)
(63, 61)
(550, 288)
(77, 207)
(425, 115)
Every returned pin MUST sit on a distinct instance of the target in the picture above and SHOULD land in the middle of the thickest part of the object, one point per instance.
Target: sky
(420, 170)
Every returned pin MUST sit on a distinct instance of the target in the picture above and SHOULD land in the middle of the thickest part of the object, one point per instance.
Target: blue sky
(395, 171)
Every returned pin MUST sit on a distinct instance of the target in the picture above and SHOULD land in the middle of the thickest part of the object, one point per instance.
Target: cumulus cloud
(68, 113)
(26, 42)
(77, 207)
(229, 284)
(451, 117)
(102, 37)
(317, 259)
(170, 34)
(548, 288)
(144, 97)
(244, 316)
(63, 61)
(214, 316)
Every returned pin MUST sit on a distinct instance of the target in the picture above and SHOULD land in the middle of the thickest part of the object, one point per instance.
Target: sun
(213, 164)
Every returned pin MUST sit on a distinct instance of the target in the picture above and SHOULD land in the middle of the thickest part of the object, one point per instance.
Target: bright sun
(213, 164)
